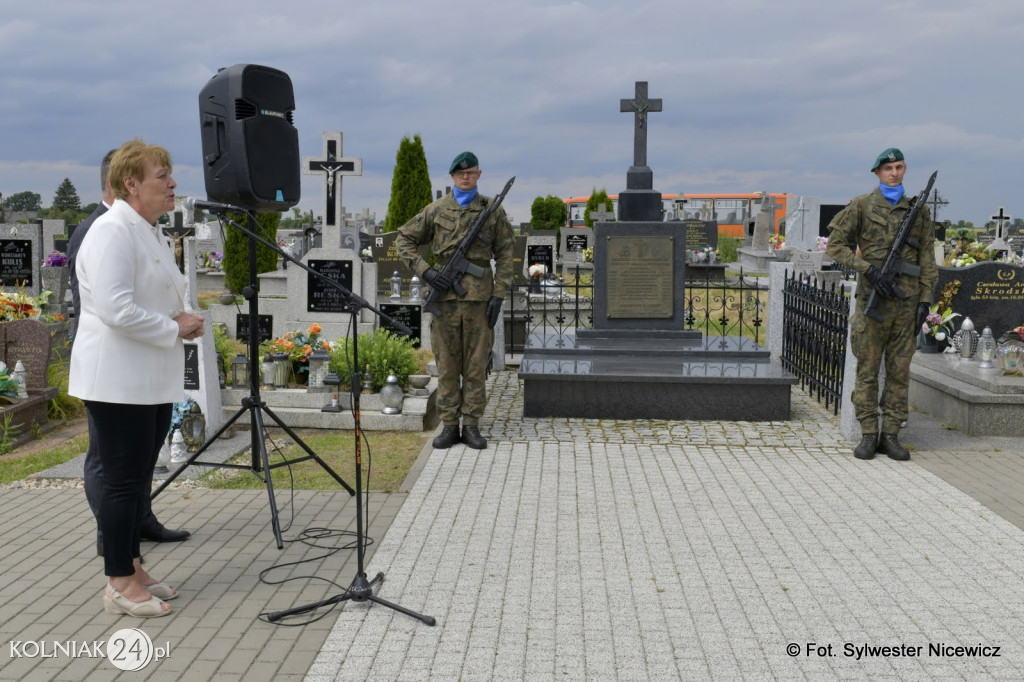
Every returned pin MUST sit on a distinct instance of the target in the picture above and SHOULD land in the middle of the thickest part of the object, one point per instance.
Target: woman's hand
(190, 326)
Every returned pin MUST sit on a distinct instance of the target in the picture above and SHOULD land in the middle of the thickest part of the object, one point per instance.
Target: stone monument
(333, 166)
(639, 361)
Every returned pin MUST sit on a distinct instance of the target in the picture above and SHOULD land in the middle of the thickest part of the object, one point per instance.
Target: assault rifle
(894, 265)
(458, 265)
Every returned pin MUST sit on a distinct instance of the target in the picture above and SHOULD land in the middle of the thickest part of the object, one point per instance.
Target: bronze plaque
(638, 277)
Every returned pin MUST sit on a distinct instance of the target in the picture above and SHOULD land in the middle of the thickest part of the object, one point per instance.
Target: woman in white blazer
(128, 364)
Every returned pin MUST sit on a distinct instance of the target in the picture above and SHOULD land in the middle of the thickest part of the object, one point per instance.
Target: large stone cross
(601, 214)
(640, 105)
(177, 234)
(999, 243)
(333, 166)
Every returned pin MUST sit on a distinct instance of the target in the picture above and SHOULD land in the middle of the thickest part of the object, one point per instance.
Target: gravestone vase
(931, 345)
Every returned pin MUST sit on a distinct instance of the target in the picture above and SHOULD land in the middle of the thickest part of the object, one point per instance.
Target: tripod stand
(254, 406)
(361, 589)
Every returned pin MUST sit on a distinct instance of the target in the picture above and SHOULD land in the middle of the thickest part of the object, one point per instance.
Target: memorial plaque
(543, 254)
(806, 262)
(408, 314)
(16, 262)
(700, 234)
(264, 327)
(640, 277)
(577, 242)
(191, 367)
(990, 293)
(321, 297)
(388, 262)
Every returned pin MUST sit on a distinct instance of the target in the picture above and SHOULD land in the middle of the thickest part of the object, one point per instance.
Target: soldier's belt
(441, 262)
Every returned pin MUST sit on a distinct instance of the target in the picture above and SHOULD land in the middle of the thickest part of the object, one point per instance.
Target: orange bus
(732, 211)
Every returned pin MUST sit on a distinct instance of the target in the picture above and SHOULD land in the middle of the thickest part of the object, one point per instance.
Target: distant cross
(177, 233)
(333, 166)
(936, 202)
(1000, 219)
(640, 106)
(601, 215)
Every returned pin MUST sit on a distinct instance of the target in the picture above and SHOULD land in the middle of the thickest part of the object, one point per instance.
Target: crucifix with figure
(639, 201)
(640, 105)
(334, 167)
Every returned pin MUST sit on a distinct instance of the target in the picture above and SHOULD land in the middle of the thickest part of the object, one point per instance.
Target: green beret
(890, 155)
(466, 160)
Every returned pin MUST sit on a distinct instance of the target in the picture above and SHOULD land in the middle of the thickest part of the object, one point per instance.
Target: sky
(795, 96)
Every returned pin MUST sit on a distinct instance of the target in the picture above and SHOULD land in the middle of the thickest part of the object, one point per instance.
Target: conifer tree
(410, 184)
(236, 249)
(66, 198)
(547, 213)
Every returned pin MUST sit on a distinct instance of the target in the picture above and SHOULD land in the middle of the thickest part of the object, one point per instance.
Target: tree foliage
(23, 201)
(547, 213)
(66, 197)
(597, 200)
(410, 184)
(236, 249)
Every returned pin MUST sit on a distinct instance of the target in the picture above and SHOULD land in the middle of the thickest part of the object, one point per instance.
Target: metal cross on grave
(333, 166)
(640, 105)
(177, 233)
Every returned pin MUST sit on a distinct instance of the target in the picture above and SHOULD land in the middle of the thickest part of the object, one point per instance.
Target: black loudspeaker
(250, 145)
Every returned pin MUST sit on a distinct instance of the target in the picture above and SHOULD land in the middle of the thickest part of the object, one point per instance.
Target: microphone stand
(361, 589)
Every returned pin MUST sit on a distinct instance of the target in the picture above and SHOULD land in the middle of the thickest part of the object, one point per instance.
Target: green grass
(393, 454)
(16, 468)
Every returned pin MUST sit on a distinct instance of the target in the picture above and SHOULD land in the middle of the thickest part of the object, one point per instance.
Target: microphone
(191, 203)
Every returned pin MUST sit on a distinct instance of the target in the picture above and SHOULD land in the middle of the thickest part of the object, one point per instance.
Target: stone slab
(979, 402)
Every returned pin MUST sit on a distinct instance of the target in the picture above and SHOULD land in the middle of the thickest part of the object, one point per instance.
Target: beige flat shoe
(162, 591)
(116, 603)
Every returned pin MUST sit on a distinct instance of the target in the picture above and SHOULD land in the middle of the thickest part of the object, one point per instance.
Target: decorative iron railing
(815, 321)
(732, 306)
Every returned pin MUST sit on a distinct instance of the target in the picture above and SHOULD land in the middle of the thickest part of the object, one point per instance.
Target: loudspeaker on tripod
(250, 145)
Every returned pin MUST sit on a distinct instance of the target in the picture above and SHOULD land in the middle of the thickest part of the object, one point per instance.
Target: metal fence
(733, 306)
(815, 321)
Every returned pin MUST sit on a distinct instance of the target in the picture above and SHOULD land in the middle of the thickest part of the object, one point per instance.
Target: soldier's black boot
(889, 444)
(866, 448)
(448, 437)
(472, 438)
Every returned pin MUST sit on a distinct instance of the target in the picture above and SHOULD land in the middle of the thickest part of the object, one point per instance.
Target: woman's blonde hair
(130, 161)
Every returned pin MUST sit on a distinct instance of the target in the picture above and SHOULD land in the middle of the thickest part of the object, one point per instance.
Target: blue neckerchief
(464, 197)
(891, 194)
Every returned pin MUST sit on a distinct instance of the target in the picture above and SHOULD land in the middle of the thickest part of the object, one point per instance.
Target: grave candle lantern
(318, 366)
(986, 349)
(239, 371)
(396, 285)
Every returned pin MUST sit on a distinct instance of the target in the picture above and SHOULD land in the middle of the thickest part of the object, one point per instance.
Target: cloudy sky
(793, 96)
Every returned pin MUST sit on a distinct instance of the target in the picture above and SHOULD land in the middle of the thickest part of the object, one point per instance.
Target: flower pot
(55, 279)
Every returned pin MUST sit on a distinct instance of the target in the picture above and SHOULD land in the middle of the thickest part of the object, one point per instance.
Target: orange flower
(314, 328)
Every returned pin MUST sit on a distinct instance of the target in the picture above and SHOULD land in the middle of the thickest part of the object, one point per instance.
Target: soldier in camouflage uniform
(861, 236)
(462, 336)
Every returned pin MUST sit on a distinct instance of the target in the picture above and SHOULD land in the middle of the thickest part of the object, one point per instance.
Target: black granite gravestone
(321, 297)
(519, 276)
(543, 254)
(990, 293)
(388, 262)
(16, 259)
(191, 367)
(699, 234)
(264, 327)
(411, 315)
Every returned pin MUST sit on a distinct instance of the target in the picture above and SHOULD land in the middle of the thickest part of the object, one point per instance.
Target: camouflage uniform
(460, 338)
(871, 223)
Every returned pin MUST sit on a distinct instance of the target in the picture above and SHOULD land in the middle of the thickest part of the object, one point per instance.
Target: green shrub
(383, 351)
(728, 249)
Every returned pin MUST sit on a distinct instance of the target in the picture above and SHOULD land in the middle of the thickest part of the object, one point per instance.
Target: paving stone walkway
(576, 549)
